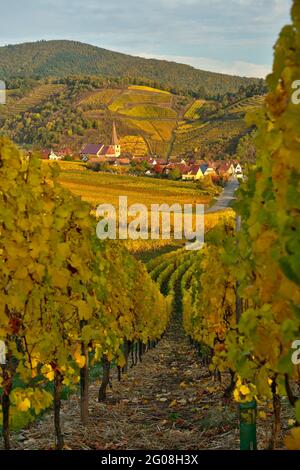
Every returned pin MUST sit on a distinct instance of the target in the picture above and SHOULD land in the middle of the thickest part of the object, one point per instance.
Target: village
(108, 157)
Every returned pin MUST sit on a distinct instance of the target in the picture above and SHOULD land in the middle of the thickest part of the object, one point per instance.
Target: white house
(238, 169)
(238, 172)
(53, 156)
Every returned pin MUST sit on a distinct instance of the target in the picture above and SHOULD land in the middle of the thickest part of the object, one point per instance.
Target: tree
(175, 174)
(246, 150)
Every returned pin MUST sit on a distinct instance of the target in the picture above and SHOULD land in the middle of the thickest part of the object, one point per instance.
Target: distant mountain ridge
(61, 58)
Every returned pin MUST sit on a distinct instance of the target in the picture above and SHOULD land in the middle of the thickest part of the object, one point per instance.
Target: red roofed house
(64, 152)
(159, 169)
(193, 172)
(181, 167)
(157, 161)
(124, 161)
(45, 153)
(224, 169)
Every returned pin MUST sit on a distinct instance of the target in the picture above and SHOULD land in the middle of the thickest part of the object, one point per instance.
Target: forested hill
(64, 58)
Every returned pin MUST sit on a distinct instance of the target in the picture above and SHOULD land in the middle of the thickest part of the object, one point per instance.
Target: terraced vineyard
(189, 131)
(149, 112)
(148, 120)
(99, 98)
(142, 112)
(185, 129)
(156, 130)
(193, 112)
(134, 145)
(245, 105)
(215, 132)
(125, 101)
(157, 133)
(148, 88)
(37, 96)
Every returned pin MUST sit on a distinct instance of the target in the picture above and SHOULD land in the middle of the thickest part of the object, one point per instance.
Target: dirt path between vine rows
(168, 401)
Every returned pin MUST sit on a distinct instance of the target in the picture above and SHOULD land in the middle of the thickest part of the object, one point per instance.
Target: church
(92, 151)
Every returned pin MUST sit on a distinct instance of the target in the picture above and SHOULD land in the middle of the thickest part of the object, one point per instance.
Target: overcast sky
(230, 36)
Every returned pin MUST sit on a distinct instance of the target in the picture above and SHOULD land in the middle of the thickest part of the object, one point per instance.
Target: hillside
(71, 112)
(64, 58)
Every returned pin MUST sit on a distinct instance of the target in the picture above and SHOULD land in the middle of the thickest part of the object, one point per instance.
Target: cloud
(232, 34)
(241, 68)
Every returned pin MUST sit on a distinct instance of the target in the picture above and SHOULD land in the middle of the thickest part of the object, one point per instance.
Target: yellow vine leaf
(24, 405)
(48, 372)
(292, 441)
(79, 359)
(245, 390)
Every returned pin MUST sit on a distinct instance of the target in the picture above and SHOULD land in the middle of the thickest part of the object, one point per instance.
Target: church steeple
(115, 144)
(115, 140)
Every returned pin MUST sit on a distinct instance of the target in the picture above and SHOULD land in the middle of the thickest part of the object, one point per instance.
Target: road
(225, 198)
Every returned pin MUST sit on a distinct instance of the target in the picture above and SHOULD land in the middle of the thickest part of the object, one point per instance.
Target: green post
(248, 426)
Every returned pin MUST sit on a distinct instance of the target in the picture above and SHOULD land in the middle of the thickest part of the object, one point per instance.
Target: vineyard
(178, 385)
(75, 305)
(148, 88)
(199, 136)
(36, 97)
(97, 187)
(99, 98)
(158, 131)
(193, 110)
(134, 145)
(246, 105)
(129, 99)
(150, 112)
(168, 123)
